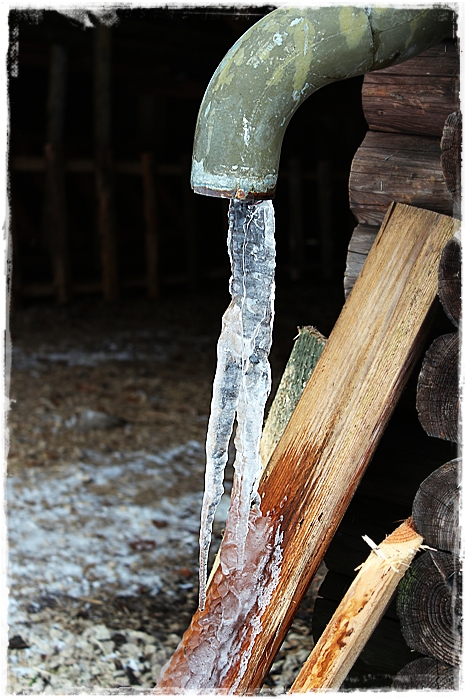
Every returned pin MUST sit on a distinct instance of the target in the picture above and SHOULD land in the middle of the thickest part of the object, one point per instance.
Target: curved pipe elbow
(275, 66)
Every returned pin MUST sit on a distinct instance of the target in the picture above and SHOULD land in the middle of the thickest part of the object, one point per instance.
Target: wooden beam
(55, 204)
(104, 166)
(359, 611)
(416, 96)
(399, 168)
(318, 463)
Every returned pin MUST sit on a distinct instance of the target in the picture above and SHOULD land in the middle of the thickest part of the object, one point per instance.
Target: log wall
(406, 107)
(413, 119)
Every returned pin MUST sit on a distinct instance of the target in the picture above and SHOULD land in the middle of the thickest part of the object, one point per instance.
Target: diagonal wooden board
(326, 446)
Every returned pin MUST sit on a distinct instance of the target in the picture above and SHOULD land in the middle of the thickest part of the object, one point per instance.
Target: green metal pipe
(275, 66)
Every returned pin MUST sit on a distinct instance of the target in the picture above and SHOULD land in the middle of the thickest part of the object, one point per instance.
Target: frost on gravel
(67, 536)
(81, 531)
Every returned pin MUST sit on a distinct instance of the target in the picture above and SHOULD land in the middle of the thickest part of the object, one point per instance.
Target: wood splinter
(360, 611)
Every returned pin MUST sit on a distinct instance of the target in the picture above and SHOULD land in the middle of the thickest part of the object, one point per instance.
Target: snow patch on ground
(79, 528)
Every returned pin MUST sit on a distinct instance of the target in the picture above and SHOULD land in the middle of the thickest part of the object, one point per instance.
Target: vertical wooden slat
(104, 169)
(152, 232)
(55, 204)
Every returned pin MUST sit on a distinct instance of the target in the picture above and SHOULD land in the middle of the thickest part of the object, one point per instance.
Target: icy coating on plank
(243, 379)
(221, 638)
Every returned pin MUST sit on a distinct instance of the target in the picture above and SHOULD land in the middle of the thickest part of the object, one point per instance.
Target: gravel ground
(105, 480)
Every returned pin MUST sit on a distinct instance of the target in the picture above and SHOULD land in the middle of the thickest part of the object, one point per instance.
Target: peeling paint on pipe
(275, 66)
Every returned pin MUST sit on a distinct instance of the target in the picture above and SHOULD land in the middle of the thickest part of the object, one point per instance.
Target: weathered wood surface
(450, 279)
(416, 96)
(400, 168)
(306, 351)
(427, 674)
(438, 392)
(429, 605)
(359, 612)
(405, 457)
(318, 463)
(451, 156)
(435, 510)
(362, 239)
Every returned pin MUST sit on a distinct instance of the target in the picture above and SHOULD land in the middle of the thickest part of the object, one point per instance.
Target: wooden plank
(308, 346)
(318, 463)
(359, 611)
(396, 167)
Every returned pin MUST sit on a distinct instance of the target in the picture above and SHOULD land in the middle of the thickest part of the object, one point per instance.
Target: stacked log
(429, 597)
(411, 153)
(430, 594)
(409, 108)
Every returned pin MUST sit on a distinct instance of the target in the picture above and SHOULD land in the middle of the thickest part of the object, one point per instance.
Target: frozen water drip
(242, 380)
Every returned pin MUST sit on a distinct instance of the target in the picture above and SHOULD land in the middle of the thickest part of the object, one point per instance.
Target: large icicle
(242, 380)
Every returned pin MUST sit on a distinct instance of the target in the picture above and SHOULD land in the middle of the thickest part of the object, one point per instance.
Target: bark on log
(427, 674)
(400, 168)
(416, 96)
(450, 281)
(436, 505)
(429, 604)
(319, 461)
(438, 389)
(451, 151)
(359, 612)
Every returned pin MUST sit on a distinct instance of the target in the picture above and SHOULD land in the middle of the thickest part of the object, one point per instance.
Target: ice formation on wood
(242, 380)
(222, 637)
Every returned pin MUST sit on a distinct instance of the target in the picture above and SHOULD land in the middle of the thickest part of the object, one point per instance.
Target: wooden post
(319, 461)
(359, 612)
(55, 206)
(152, 232)
(296, 248)
(326, 231)
(104, 169)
